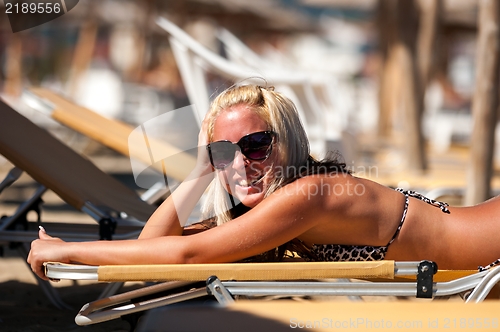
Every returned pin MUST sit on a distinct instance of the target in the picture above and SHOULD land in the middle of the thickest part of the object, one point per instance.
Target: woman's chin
(249, 196)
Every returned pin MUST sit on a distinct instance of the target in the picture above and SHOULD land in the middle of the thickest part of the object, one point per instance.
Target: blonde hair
(281, 116)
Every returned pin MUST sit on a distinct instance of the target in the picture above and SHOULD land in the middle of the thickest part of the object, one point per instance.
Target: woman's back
(359, 212)
(463, 239)
(356, 211)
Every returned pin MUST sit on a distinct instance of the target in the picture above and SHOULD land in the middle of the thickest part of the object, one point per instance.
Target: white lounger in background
(324, 84)
(195, 60)
(118, 211)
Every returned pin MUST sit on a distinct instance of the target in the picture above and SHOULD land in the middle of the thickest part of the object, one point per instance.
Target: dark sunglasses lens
(222, 154)
(256, 146)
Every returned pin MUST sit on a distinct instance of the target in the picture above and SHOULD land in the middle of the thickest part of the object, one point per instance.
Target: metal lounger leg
(11, 177)
(96, 312)
(217, 289)
(485, 285)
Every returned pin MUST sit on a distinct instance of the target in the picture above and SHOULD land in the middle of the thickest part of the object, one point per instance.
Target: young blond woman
(268, 193)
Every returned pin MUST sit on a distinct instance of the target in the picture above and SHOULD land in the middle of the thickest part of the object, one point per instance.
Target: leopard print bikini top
(338, 253)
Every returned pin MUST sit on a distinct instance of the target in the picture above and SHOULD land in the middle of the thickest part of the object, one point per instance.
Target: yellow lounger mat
(267, 271)
(228, 271)
(115, 134)
(329, 316)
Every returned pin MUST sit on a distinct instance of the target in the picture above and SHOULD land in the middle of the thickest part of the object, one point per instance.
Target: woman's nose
(239, 160)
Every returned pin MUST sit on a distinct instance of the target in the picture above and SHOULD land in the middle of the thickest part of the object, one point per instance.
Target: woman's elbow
(193, 257)
(188, 255)
(197, 256)
(188, 250)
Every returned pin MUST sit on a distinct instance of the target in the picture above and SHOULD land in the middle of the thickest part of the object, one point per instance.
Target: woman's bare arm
(172, 215)
(278, 219)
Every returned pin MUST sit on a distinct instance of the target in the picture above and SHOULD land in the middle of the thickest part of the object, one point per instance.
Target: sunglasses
(255, 146)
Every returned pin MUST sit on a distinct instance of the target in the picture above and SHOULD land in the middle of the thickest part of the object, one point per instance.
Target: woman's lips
(248, 183)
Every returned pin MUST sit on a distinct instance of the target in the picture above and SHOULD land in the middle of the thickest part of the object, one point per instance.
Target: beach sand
(24, 307)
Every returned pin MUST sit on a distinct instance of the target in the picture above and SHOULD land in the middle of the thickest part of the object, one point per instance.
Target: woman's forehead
(237, 121)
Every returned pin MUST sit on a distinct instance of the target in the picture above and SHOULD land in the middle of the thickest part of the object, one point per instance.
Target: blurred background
(399, 76)
(406, 90)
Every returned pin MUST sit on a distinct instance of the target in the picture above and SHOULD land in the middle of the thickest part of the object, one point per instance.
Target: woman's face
(245, 179)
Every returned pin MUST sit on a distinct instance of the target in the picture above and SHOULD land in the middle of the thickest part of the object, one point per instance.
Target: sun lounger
(118, 210)
(114, 134)
(73, 178)
(226, 281)
(158, 164)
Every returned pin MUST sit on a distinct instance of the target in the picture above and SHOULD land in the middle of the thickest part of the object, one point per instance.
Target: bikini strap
(403, 217)
(489, 266)
(411, 193)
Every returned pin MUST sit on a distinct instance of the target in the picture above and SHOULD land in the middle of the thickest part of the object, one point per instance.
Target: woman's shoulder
(326, 180)
(343, 186)
(325, 186)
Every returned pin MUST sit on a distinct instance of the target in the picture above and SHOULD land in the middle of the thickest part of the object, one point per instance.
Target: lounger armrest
(227, 271)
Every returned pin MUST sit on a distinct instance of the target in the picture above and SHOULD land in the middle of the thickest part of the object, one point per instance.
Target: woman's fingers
(39, 270)
(42, 234)
(40, 248)
(34, 261)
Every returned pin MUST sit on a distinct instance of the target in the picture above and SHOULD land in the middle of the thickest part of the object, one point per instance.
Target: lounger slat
(247, 271)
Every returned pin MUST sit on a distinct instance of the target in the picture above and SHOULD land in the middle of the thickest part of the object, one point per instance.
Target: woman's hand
(46, 249)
